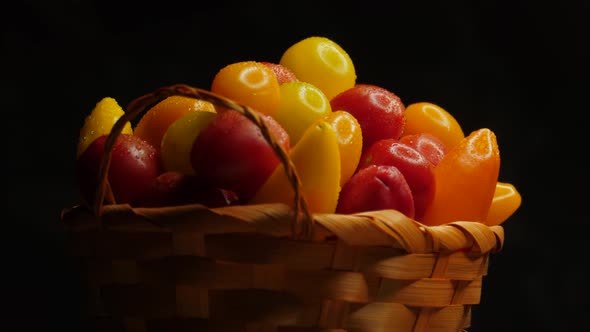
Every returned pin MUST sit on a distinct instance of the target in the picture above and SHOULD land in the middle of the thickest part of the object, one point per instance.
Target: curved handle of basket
(302, 226)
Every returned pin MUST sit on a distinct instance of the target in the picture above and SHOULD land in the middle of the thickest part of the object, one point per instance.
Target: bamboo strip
(134, 324)
(117, 271)
(385, 263)
(188, 243)
(355, 230)
(378, 228)
(255, 305)
(139, 300)
(378, 316)
(181, 324)
(427, 292)
(306, 329)
(345, 286)
(108, 324)
(192, 301)
(264, 249)
(405, 267)
(405, 231)
(333, 314)
(120, 244)
(210, 274)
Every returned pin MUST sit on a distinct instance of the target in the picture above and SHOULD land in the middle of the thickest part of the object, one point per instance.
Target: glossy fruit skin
(350, 141)
(250, 83)
(428, 145)
(100, 122)
(284, 74)
(424, 117)
(178, 140)
(174, 188)
(317, 162)
(321, 62)
(155, 122)
(466, 180)
(506, 201)
(134, 166)
(416, 169)
(232, 154)
(376, 187)
(301, 105)
(379, 111)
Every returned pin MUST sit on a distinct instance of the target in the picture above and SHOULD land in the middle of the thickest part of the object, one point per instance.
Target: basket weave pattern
(269, 267)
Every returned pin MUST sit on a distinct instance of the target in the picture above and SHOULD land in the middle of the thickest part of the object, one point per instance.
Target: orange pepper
(465, 180)
(505, 202)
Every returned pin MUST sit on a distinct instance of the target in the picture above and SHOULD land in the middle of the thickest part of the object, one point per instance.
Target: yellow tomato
(249, 83)
(317, 162)
(300, 105)
(153, 124)
(427, 117)
(321, 62)
(505, 202)
(178, 140)
(100, 122)
(350, 141)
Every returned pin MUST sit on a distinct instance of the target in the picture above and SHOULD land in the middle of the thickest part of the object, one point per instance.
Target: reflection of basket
(269, 267)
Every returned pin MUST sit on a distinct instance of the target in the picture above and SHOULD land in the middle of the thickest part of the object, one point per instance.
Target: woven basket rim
(373, 228)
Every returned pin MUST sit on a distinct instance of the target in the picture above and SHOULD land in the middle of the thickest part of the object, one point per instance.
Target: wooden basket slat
(195, 269)
(380, 228)
(428, 292)
(379, 316)
(264, 249)
(116, 244)
(306, 329)
(139, 300)
(201, 325)
(212, 274)
(102, 271)
(333, 313)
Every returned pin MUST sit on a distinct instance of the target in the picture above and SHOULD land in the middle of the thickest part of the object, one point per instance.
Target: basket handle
(303, 223)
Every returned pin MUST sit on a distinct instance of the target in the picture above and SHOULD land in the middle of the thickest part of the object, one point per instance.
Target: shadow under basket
(246, 267)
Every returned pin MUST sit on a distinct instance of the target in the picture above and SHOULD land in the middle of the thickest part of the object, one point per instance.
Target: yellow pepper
(505, 202)
(316, 158)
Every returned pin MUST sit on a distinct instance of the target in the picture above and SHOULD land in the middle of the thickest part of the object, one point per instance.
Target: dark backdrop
(518, 68)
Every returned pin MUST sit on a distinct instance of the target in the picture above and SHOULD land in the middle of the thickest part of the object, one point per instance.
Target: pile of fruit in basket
(355, 147)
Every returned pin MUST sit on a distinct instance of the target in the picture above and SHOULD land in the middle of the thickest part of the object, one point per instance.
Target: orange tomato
(350, 141)
(427, 117)
(505, 202)
(465, 180)
(249, 83)
(153, 124)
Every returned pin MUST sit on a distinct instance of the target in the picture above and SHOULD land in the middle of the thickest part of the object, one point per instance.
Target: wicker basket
(270, 267)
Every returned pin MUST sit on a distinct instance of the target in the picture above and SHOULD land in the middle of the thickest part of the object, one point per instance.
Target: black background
(517, 67)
